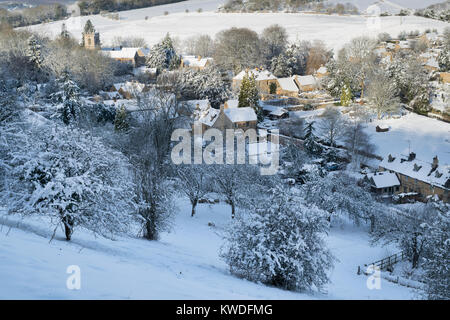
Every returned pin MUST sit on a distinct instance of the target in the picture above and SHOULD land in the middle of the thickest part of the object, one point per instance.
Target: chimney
(435, 163)
(221, 108)
(390, 158)
(411, 156)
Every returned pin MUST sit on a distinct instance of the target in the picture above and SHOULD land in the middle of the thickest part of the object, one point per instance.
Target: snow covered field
(183, 265)
(334, 30)
(425, 136)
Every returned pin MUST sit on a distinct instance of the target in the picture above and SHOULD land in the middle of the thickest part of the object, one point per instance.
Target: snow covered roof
(144, 70)
(432, 63)
(306, 80)
(278, 112)
(322, 70)
(418, 169)
(288, 84)
(130, 86)
(232, 103)
(195, 61)
(432, 36)
(123, 53)
(210, 117)
(257, 73)
(404, 44)
(384, 179)
(200, 105)
(240, 114)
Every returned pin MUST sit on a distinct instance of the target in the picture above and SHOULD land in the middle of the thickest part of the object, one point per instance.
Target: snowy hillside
(183, 265)
(184, 25)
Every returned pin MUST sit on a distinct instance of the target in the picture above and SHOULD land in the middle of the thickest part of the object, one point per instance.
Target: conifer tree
(120, 122)
(310, 143)
(69, 98)
(163, 55)
(34, 53)
(346, 95)
(249, 95)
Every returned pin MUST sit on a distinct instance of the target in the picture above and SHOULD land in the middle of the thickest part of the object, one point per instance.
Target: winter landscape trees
(79, 155)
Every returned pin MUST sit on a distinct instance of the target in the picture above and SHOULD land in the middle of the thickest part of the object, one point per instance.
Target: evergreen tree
(120, 122)
(34, 53)
(437, 266)
(249, 95)
(346, 95)
(444, 60)
(310, 142)
(163, 55)
(69, 95)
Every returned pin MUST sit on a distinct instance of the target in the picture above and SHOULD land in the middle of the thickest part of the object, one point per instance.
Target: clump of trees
(88, 7)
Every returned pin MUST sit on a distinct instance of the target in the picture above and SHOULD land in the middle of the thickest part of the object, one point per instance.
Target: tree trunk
(194, 205)
(150, 227)
(233, 209)
(68, 226)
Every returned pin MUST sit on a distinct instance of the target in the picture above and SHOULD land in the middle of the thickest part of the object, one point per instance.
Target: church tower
(90, 38)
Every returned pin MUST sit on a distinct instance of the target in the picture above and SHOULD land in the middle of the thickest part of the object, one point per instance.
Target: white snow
(288, 84)
(184, 264)
(334, 30)
(384, 179)
(259, 75)
(240, 114)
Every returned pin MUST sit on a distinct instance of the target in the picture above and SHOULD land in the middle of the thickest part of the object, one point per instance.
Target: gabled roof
(306, 80)
(240, 114)
(232, 103)
(432, 63)
(124, 53)
(323, 70)
(258, 74)
(383, 179)
(418, 169)
(195, 61)
(288, 84)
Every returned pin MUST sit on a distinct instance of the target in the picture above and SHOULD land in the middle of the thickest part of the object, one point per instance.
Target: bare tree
(357, 142)
(360, 56)
(318, 56)
(383, 96)
(202, 45)
(273, 41)
(332, 124)
(194, 183)
(148, 148)
(237, 49)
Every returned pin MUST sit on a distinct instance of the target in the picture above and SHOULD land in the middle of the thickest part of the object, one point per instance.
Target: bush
(280, 243)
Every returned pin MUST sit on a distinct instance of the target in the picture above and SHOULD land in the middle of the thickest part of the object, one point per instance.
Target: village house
(432, 65)
(134, 56)
(417, 176)
(321, 72)
(287, 87)
(383, 183)
(236, 118)
(264, 79)
(195, 62)
(306, 83)
(445, 77)
(129, 89)
(431, 39)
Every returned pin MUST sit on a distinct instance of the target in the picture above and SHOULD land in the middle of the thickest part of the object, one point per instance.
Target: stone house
(264, 79)
(195, 62)
(287, 87)
(417, 176)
